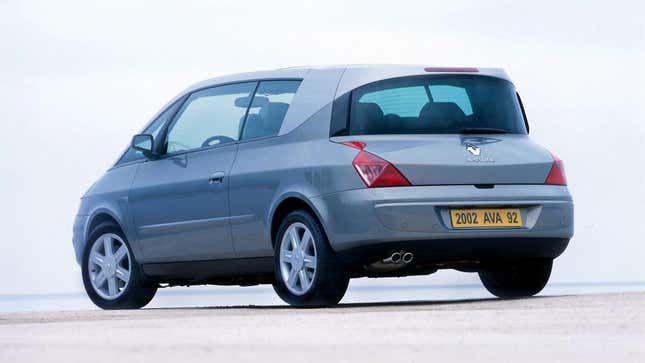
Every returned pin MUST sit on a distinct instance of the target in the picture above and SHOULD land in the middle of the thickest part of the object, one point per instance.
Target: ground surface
(587, 328)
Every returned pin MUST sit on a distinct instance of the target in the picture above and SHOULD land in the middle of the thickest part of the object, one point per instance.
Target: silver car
(306, 177)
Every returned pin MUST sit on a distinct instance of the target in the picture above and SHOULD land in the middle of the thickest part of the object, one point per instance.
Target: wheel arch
(98, 219)
(287, 204)
(98, 216)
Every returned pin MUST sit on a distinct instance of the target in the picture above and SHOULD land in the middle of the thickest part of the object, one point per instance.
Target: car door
(257, 174)
(180, 202)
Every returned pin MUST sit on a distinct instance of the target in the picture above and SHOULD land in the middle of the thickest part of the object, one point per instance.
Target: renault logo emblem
(474, 149)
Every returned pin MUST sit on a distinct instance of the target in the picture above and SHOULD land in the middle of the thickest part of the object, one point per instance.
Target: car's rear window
(435, 105)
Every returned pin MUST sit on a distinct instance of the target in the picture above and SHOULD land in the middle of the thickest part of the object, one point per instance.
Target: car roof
(322, 84)
(352, 73)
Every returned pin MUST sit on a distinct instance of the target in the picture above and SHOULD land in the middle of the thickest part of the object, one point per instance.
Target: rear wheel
(518, 279)
(308, 272)
(111, 276)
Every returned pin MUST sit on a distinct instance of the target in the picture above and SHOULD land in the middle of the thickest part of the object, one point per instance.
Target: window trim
(163, 153)
(340, 110)
(246, 114)
(341, 105)
(248, 109)
(526, 120)
(179, 101)
(187, 96)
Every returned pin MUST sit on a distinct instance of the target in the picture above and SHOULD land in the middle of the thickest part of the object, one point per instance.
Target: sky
(78, 79)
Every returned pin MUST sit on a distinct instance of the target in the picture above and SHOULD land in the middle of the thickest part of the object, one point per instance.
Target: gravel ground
(584, 328)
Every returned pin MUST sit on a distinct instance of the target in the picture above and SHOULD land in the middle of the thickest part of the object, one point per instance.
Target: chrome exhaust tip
(394, 258)
(396, 261)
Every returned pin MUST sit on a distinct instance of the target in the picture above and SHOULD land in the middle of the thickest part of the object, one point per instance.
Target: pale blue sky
(78, 79)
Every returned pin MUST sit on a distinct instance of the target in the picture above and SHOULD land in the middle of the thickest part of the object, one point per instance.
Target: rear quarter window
(268, 108)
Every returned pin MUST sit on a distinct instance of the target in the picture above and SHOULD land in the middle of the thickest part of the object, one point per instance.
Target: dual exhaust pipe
(396, 261)
(399, 257)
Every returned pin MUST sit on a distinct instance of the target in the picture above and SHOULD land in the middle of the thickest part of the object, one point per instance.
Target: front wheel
(111, 276)
(518, 279)
(308, 272)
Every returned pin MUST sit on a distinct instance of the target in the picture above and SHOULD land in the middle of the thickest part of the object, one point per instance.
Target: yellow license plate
(486, 218)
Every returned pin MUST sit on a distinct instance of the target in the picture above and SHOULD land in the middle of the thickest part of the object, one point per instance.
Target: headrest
(369, 110)
(258, 101)
(272, 115)
(253, 123)
(367, 117)
(442, 113)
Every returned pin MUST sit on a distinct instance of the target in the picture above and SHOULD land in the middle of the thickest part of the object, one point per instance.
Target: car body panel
(177, 212)
(412, 213)
(268, 171)
(173, 216)
(107, 196)
(445, 159)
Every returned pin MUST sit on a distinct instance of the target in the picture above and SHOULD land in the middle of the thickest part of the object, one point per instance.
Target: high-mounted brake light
(556, 175)
(451, 69)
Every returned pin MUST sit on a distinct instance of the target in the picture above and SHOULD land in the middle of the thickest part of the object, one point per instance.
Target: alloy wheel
(298, 258)
(109, 266)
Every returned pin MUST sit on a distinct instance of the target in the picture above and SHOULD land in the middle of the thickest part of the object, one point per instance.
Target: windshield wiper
(483, 130)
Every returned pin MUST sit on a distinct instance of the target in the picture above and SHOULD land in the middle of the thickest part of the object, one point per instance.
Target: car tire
(519, 279)
(104, 277)
(320, 281)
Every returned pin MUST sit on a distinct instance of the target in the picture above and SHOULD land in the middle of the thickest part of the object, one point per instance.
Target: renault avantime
(305, 178)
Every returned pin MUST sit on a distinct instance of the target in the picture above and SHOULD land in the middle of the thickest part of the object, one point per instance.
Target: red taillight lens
(355, 144)
(377, 172)
(556, 175)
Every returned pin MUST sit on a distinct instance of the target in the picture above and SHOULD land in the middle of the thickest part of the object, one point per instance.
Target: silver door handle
(216, 178)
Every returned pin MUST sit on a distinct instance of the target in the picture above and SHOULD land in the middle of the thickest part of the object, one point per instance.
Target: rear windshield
(436, 105)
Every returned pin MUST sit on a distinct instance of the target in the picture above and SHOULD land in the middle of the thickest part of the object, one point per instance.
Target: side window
(210, 117)
(268, 108)
(153, 129)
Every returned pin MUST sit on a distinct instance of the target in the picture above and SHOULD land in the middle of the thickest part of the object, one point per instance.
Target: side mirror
(143, 143)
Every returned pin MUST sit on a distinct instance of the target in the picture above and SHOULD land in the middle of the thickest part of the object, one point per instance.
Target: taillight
(374, 171)
(377, 172)
(355, 144)
(556, 175)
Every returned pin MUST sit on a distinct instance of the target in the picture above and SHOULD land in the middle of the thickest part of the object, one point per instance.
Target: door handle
(216, 178)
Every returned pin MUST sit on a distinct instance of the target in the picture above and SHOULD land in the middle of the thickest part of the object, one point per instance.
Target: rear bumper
(380, 218)
(455, 252)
